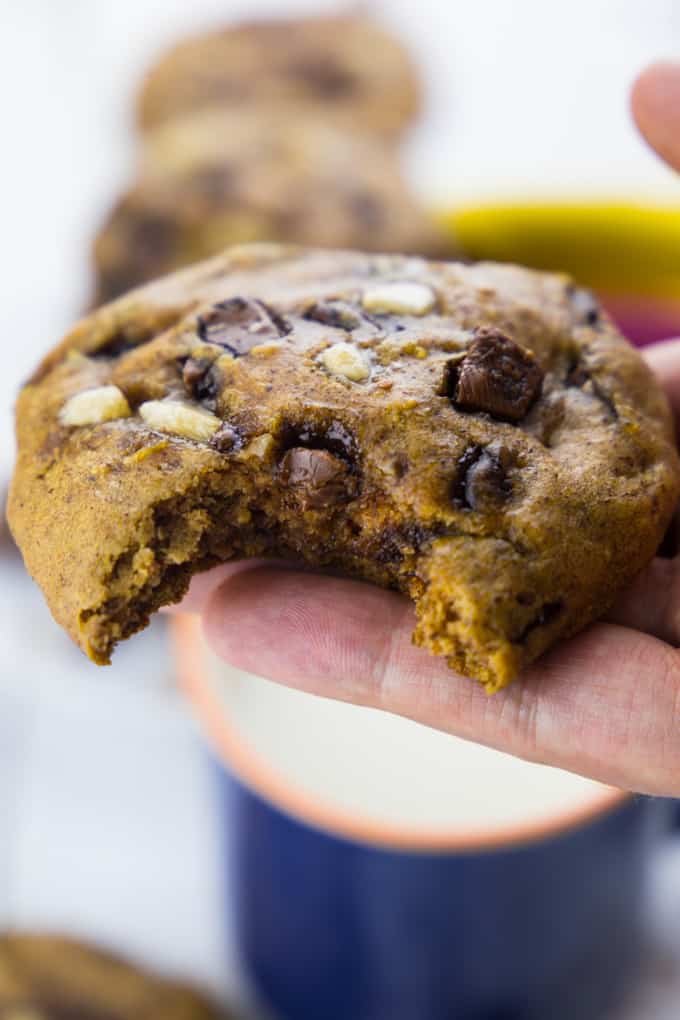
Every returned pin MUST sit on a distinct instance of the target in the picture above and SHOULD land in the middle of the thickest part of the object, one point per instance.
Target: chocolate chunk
(325, 78)
(585, 306)
(240, 324)
(319, 478)
(227, 439)
(199, 375)
(336, 314)
(333, 437)
(496, 376)
(481, 479)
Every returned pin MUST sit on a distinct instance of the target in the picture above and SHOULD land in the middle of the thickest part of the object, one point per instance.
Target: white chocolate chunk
(259, 447)
(91, 407)
(180, 419)
(399, 298)
(347, 361)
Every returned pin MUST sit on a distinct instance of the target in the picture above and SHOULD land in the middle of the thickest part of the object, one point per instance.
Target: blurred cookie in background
(356, 71)
(45, 977)
(220, 178)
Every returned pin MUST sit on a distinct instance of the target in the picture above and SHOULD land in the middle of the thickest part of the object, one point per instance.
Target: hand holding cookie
(604, 703)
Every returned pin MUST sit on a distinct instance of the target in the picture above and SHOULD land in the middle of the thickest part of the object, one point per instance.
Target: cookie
(218, 178)
(352, 70)
(479, 437)
(46, 977)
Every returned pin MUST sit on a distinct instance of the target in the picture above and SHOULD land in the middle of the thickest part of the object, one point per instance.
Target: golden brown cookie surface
(478, 437)
(221, 178)
(48, 977)
(357, 72)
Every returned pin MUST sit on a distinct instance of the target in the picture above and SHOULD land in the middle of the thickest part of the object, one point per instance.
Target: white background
(106, 823)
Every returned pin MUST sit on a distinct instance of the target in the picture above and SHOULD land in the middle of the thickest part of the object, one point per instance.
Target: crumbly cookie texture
(478, 437)
(354, 70)
(219, 178)
(47, 977)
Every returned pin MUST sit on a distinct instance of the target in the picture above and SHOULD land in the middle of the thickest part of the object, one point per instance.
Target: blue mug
(513, 893)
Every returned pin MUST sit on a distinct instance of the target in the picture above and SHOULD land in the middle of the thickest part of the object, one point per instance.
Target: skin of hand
(605, 704)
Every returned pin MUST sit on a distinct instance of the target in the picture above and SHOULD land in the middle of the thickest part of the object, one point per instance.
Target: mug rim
(259, 777)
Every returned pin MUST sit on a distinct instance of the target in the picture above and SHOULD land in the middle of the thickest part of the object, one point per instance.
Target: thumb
(655, 103)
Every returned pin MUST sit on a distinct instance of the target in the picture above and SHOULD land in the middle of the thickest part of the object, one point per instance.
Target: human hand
(605, 704)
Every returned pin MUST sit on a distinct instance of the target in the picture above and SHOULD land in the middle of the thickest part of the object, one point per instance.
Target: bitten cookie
(46, 977)
(478, 437)
(356, 72)
(219, 178)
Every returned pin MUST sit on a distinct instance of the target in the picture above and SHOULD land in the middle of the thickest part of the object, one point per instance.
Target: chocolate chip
(481, 478)
(496, 375)
(333, 437)
(327, 79)
(227, 439)
(585, 306)
(319, 478)
(200, 377)
(239, 324)
(336, 314)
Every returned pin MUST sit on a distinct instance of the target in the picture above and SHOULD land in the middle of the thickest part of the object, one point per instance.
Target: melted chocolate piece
(240, 324)
(199, 376)
(334, 438)
(336, 314)
(482, 478)
(496, 376)
(319, 478)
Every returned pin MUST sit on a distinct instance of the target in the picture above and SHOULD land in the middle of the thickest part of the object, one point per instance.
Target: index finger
(603, 704)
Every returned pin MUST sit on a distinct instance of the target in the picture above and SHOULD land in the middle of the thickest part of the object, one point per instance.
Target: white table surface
(106, 816)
